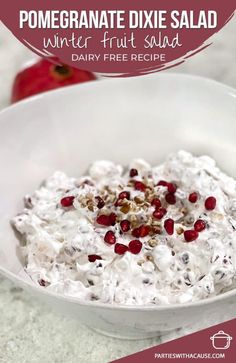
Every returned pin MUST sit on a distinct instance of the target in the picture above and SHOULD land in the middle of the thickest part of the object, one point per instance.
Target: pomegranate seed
(159, 213)
(100, 202)
(67, 201)
(125, 225)
(118, 203)
(141, 231)
(104, 220)
(171, 188)
(210, 203)
(124, 195)
(169, 226)
(162, 183)
(133, 172)
(42, 282)
(135, 246)
(156, 203)
(120, 249)
(190, 235)
(144, 230)
(199, 225)
(107, 220)
(136, 232)
(193, 197)
(93, 258)
(112, 217)
(110, 238)
(170, 198)
(138, 185)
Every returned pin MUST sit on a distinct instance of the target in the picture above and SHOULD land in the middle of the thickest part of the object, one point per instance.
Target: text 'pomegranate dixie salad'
(147, 235)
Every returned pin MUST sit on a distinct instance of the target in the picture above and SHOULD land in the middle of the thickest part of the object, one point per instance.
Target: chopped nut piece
(125, 208)
(111, 198)
(150, 258)
(155, 230)
(131, 183)
(217, 216)
(83, 201)
(149, 221)
(189, 220)
(152, 242)
(106, 187)
(139, 200)
(140, 262)
(184, 211)
(149, 197)
(89, 196)
(133, 218)
(133, 207)
(156, 223)
(147, 193)
(180, 230)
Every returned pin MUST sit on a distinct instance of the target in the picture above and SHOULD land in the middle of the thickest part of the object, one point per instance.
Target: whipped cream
(66, 252)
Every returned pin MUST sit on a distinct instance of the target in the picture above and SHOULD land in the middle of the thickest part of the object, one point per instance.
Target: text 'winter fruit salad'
(146, 235)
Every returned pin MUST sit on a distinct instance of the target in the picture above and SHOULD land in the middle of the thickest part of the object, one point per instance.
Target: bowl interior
(119, 119)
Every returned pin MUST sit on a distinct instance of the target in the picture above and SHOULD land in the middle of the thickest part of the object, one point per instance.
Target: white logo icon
(221, 340)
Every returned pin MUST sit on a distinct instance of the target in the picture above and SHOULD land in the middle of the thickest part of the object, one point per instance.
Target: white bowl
(116, 119)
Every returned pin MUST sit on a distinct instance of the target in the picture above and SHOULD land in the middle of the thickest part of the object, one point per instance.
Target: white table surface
(29, 331)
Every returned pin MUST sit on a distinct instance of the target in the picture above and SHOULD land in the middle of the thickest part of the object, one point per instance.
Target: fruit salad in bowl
(126, 232)
(142, 235)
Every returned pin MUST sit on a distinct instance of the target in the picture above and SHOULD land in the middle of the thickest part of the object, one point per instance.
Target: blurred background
(30, 332)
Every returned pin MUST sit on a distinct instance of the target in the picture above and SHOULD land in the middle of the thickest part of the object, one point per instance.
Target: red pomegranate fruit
(46, 75)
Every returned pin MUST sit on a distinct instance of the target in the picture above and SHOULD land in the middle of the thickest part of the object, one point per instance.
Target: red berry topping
(171, 188)
(141, 231)
(104, 220)
(156, 203)
(67, 201)
(144, 230)
(110, 238)
(159, 213)
(112, 217)
(199, 225)
(124, 195)
(93, 258)
(42, 282)
(120, 249)
(118, 203)
(210, 203)
(170, 198)
(136, 232)
(100, 202)
(125, 225)
(193, 197)
(135, 246)
(162, 183)
(190, 235)
(138, 185)
(107, 220)
(169, 226)
(133, 172)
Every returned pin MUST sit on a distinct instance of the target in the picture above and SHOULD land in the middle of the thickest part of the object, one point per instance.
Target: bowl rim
(95, 304)
(97, 82)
